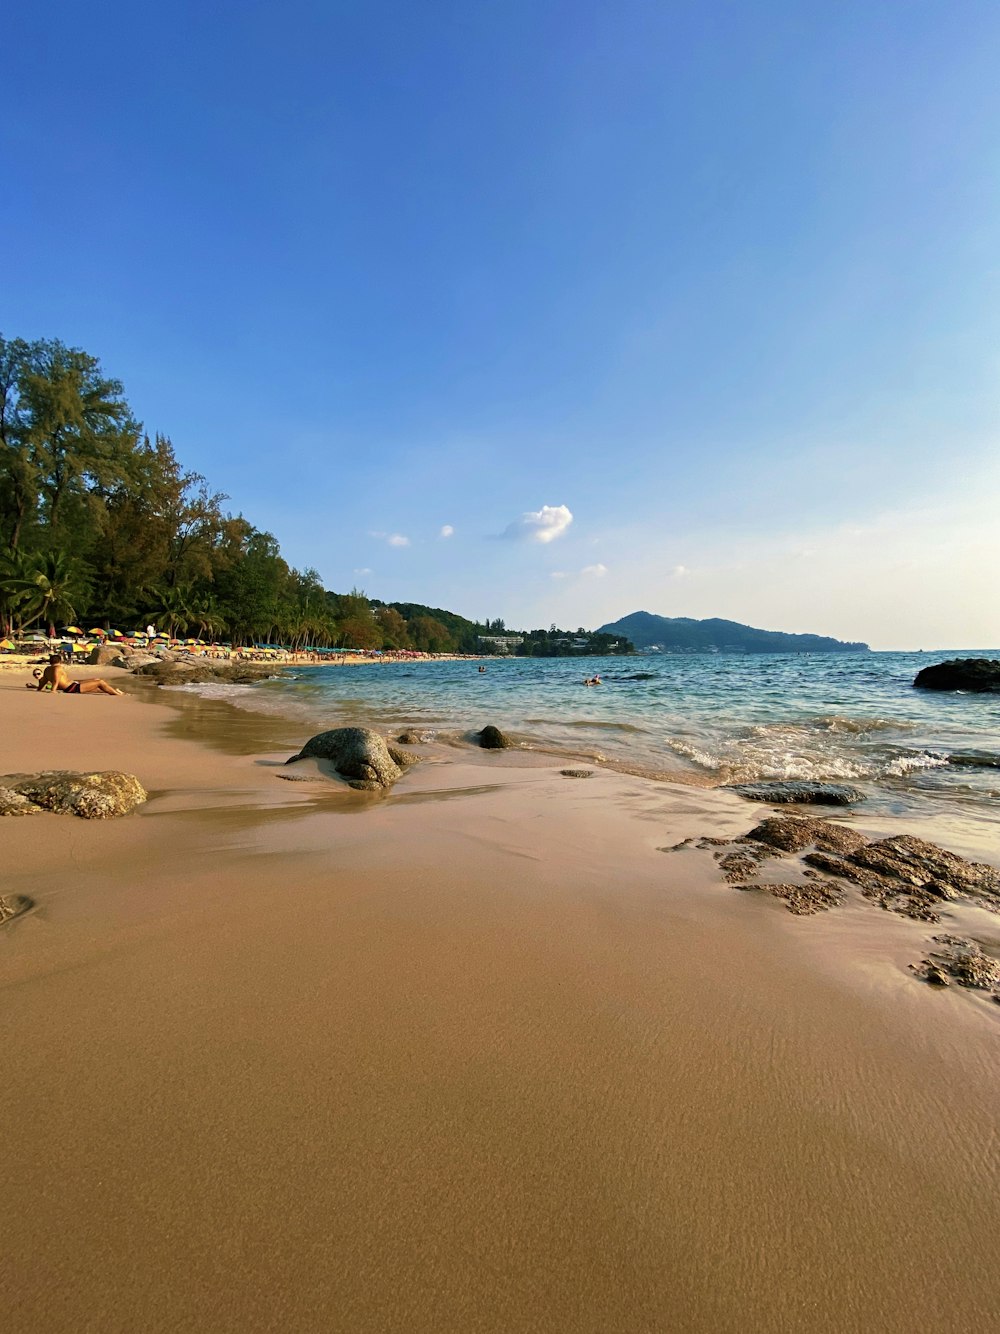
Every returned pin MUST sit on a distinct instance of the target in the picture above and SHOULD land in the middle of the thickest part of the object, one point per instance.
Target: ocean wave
(734, 760)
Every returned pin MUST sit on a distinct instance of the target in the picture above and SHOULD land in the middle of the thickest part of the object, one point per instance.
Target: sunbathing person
(55, 678)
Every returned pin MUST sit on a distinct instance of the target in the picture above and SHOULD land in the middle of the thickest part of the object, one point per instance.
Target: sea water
(701, 718)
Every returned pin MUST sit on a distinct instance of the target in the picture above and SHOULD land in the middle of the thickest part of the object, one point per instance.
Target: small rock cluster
(92, 796)
(962, 960)
(902, 874)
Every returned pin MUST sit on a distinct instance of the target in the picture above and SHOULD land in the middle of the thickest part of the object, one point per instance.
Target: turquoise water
(700, 718)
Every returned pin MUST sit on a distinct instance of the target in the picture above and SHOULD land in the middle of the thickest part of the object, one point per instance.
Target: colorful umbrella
(72, 630)
(99, 632)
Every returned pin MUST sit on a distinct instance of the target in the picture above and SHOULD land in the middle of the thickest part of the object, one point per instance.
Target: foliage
(100, 521)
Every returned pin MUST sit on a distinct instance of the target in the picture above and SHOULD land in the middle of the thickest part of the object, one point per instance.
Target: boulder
(411, 737)
(357, 753)
(975, 675)
(491, 738)
(92, 796)
(104, 655)
(795, 793)
(577, 773)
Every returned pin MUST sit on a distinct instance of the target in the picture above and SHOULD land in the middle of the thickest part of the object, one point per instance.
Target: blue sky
(717, 280)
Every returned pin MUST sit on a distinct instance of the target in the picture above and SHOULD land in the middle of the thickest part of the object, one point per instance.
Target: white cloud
(679, 571)
(559, 574)
(597, 571)
(446, 531)
(543, 525)
(364, 570)
(392, 539)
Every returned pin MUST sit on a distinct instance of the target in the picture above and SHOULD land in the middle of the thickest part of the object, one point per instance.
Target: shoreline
(472, 1055)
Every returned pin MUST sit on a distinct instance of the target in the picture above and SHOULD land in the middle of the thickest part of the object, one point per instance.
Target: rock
(491, 738)
(976, 675)
(195, 672)
(13, 905)
(104, 655)
(92, 796)
(789, 833)
(904, 899)
(780, 794)
(411, 737)
(964, 960)
(403, 759)
(803, 900)
(926, 866)
(577, 773)
(357, 753)
(13, 803)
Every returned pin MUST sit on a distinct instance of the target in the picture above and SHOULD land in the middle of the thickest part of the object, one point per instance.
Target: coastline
(476, 1055)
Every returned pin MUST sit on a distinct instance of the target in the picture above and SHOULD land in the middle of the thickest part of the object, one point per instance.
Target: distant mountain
(682, 634)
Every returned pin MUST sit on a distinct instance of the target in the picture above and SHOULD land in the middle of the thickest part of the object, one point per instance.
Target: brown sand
(477, 1057)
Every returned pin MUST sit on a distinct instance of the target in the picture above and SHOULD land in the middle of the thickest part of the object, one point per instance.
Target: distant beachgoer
(592, 681)
(482, 669)
(55, 678)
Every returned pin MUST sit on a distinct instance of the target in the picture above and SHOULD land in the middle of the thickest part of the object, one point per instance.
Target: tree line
(99, 522)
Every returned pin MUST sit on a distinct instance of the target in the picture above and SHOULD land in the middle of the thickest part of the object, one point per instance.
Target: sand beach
(477, 1055)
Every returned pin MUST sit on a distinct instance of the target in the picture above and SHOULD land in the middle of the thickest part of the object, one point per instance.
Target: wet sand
(477, 1056)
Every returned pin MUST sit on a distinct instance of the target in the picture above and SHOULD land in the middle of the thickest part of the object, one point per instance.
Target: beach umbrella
(6, 643)
(116, 634)
(72, 630)
(99, 632)
(80, 647)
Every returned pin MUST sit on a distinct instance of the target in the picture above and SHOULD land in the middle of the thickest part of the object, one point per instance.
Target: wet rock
(92, 796)
(13, 905)
(790, 833)
(803, 900)
(739, 866)
(357, 753)
(491, 738)
(411, 737)
(577, 773)
(403, 759)
(962, 959)
(804, 793)
(975, 675)
(926, 866)
(904, 898)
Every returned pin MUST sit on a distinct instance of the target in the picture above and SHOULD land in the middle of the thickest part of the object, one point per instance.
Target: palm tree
(48, 587)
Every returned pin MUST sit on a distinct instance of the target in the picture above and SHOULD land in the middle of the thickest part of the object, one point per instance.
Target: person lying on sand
(55, 678)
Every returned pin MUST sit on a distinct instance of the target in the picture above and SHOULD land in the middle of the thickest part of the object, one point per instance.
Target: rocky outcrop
(975, 675)
(194, 672)
(788, 833)
(411, 737)
(491, 738)
(577, 773)
(793, 793)
(92, 796)
(358, 754)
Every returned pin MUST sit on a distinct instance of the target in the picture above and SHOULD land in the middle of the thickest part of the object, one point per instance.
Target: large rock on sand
(491, 738)
(798, 793)
(105, 655)
(97, 796)
(975, 675)
(359, 754)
